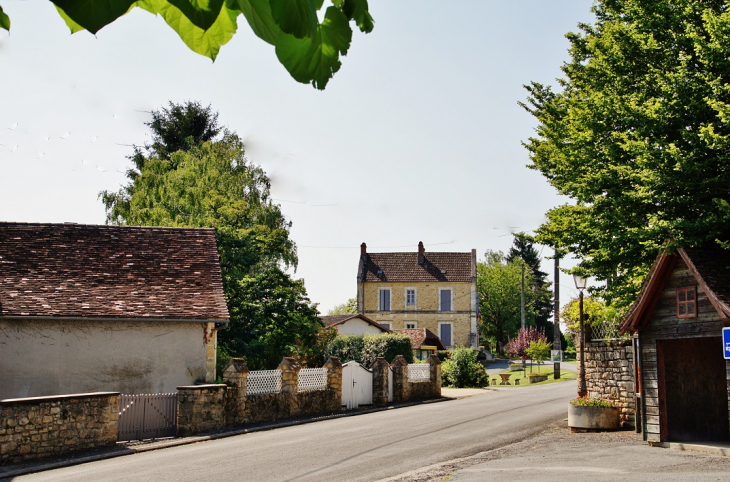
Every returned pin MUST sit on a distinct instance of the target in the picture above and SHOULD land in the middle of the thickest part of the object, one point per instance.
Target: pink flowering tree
(517, 346)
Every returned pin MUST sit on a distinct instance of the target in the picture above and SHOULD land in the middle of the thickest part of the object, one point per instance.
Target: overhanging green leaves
(295, 17)
(94, 14)
(357, 10)
(75, 27)
(316, 60)
(4, 20)
(201, 13)
(259, 17)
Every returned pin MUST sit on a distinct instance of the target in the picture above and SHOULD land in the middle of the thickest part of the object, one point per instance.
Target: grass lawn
(525, 376)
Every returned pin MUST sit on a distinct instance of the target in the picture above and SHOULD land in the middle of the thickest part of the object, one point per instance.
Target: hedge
(364, 349)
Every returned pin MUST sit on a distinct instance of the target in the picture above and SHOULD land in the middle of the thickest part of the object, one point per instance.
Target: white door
(357, 385)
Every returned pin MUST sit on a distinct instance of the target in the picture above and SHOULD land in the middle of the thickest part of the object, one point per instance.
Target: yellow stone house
(415, 290)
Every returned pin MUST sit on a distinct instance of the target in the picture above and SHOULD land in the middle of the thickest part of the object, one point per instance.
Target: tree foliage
(523, 248)
(539, 350)
(518, 346)
(349, 308)
(309, 49)
(499, 284)
(637, 136)
(462, 370)
(364, 349)
(210, 183)
(595, 312)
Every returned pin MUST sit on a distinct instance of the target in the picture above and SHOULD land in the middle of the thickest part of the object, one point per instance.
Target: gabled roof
(422, 336)
(333, 320)
(709, 264)
(76, 270)
(404, 267)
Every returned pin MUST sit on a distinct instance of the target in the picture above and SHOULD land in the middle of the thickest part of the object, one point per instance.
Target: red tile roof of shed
(404, 267)
(75, 270)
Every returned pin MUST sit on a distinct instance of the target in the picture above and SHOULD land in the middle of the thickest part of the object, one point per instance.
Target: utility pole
(522, 297)
(556, 314)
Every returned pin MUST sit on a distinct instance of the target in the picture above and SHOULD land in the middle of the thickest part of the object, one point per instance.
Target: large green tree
(523, 249)
(210, 183)
(308, 48)
(499, 283)
(349, 308)
(637, 135)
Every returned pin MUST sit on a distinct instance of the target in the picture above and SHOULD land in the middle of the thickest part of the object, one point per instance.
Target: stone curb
(121, 451)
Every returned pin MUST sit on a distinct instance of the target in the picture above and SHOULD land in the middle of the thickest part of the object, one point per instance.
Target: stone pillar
(334, 383)
(200, 408)
(401, 393)
(290, 385)
(434, 363)
(380, 369)
(235, 375)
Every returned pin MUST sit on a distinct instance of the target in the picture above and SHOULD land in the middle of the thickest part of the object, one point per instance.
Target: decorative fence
(419, 372)
(261, 382)
(608, 330)
(312, 379)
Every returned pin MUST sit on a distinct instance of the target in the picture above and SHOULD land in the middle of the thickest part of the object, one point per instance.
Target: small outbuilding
(107, 308)
(681, 375)
(354, 324)
(424, 342)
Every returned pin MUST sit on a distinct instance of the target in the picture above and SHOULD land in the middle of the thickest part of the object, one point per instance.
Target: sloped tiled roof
(75, 270)
(422, 336)
(709, 264)
(404, 267)
(332, 320)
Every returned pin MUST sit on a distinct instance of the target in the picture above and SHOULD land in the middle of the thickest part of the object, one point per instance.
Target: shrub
(463, 370)
(539, 350)
(364, 349)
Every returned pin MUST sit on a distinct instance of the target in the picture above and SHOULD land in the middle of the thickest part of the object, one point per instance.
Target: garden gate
(147, 416)
(357, 385)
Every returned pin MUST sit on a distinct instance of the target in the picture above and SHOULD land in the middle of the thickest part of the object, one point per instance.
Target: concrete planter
(596, 418)
(515, 367)
(538, 378)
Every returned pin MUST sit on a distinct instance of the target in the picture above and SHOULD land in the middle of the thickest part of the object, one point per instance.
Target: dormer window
(687, 302)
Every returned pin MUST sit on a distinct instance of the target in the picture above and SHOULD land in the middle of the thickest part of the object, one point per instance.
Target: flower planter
(538, 378)
(515, 367)
(596, 418)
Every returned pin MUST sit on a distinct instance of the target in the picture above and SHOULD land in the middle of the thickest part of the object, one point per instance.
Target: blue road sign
(726, 342)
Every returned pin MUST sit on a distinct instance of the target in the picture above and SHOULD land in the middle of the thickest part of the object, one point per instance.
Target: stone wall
(37, 427)
(404, 390)
(201, 408)
(610, 374)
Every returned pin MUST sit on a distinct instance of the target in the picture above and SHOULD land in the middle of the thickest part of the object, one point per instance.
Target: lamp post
(580, 284)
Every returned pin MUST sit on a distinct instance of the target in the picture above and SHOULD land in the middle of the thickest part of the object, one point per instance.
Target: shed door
(693, 390)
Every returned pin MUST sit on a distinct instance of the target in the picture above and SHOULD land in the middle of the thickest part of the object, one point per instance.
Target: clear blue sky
(417, 138)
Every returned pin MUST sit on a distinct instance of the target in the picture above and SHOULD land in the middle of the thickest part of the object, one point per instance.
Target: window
(445, 332)
(411, 325)
(686, 302)
(385, 325)
(445, 300)
(410, 297)
(384, 299)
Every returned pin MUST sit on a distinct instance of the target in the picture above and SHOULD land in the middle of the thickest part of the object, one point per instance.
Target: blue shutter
(445, 334)
(445, 300)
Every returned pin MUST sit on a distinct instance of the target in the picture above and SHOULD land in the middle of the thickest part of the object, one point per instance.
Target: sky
(417, 137)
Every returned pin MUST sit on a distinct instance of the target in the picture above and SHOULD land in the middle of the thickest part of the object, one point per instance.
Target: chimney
(421, 250)
(363, 249)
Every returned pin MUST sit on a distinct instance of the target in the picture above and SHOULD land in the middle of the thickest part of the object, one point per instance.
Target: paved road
(362, 448)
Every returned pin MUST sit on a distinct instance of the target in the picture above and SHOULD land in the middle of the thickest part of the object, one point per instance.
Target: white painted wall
(40, 358)
(356, 326)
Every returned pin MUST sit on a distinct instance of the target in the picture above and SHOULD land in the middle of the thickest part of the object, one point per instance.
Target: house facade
(107, 308)
(681, 377)
(417, 290)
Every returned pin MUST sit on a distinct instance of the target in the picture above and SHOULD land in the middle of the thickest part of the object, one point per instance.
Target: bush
(364, 349)
(463, 370)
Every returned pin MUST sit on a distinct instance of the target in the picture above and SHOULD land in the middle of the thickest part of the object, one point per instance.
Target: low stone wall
(404, 390)
(37, 427)
(200, 408)
(610, 374)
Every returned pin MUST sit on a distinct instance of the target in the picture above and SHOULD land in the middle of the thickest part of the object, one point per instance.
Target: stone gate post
(380, 369)
(290, 385)
(400, 379)
(334, 383)
(235, 375)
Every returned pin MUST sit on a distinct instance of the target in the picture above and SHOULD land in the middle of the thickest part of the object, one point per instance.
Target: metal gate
(357, 385)
(147, 416)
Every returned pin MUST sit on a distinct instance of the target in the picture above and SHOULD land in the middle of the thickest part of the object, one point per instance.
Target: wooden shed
(681, 375)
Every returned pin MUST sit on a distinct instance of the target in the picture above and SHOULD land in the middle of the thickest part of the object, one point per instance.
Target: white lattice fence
(419, 372)
(312, 379)
(263, 381)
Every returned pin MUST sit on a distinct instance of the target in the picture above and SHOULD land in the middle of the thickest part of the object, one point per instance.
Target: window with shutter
(384, 300)
(445, 333)
(445, 304)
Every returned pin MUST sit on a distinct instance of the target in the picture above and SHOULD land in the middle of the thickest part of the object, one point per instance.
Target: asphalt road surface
(367, 447)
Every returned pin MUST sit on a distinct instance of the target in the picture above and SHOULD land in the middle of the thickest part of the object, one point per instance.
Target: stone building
(353, 324)
(437, 291)
(107, 308)
(677, 320)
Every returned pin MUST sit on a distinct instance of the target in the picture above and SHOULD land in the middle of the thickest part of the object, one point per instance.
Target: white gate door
(357, 385)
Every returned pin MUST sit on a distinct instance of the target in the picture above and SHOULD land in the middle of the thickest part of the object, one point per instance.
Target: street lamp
(580, 284)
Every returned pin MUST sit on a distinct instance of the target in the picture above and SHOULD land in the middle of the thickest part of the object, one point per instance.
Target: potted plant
(593, 413)
(537, 377)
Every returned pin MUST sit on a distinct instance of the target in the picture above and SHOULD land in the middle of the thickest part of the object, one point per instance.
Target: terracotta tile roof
(332, 320)
(75, 270)
(404, 267)
(422, 336)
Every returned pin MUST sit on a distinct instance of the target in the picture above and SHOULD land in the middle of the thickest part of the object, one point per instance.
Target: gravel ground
(558, 455)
